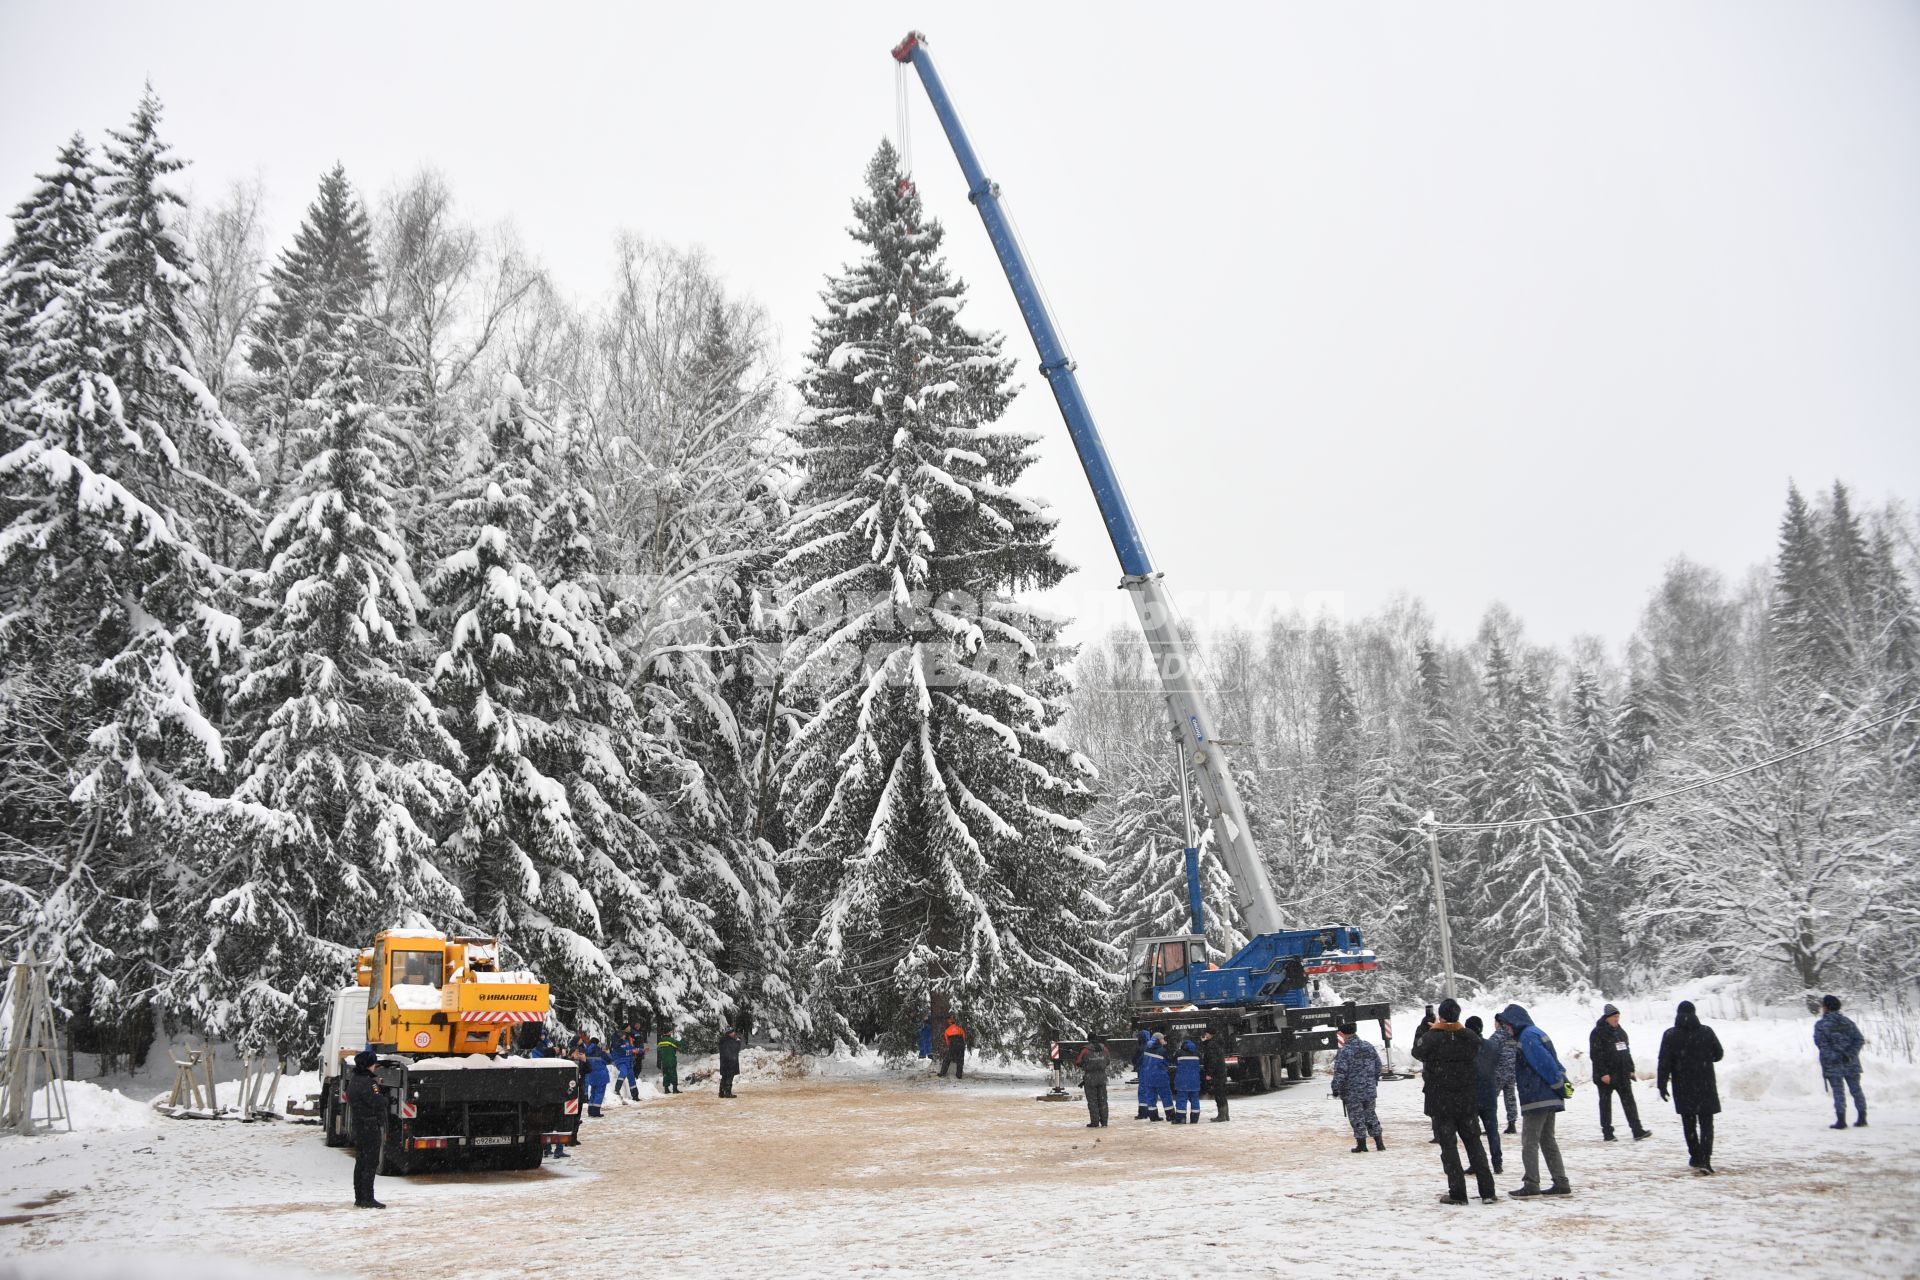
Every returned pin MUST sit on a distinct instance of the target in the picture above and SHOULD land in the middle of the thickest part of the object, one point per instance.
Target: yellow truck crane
(440, 1012)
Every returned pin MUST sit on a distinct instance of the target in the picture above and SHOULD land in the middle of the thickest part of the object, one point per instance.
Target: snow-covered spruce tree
(557, 844)
(52, 228)
(322, 292)
(941, 858)
(1601, 770)
(1532, 877)
(344, 741)
(149, 267)
(110, 604)
(1138, 822)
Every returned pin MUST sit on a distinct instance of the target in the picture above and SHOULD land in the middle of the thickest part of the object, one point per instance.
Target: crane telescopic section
(1159, 620)
(1267, 1004)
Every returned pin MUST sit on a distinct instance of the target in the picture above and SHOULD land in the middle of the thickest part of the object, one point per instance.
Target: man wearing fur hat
(1612, 1059)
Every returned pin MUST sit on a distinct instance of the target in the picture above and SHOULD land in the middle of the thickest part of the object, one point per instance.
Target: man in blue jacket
(1544, 1090)
(1839, 1041)
(1156, 1086)
(1186, 1084)
(594, 1061)
(625, 1075)
(926, 1038)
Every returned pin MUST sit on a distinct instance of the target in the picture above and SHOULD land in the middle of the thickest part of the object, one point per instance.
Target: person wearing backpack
(1544, 1090)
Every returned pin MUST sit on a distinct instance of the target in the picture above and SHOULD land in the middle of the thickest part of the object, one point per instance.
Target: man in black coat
(1612, 1059)
(1449, 1053)
(1213, 1070)
(729, 1062)
(367, 1114)
(1687, 1054)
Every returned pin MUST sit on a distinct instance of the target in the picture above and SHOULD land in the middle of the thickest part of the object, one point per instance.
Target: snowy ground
(857, 1171)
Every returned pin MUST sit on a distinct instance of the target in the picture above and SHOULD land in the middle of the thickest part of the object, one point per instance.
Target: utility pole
(1428, 824)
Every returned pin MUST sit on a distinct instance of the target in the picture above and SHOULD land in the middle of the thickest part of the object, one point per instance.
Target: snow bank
(95, 1110)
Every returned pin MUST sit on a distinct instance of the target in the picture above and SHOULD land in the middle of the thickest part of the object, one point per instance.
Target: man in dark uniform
(729, 1062)
(1213, 1067)
(367, 1113)
(1093, 1063)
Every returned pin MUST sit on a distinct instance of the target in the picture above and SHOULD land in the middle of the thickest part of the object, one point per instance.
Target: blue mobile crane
(1261, 1000)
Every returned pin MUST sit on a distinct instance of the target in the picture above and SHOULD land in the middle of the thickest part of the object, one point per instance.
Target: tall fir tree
(1532, 877)
(52, 228)
(941, 860)
(1602, 771)
(108, 593)
(200, 455)
(322, 293)
(345, 742)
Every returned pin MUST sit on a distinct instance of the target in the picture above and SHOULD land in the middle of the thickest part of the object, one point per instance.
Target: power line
(1677, 791)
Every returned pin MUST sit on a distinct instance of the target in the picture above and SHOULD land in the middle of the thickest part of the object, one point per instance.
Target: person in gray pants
(1544, 1090)
(1093, 1063)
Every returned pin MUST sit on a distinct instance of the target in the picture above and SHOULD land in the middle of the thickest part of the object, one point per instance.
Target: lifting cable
(902, 119)
(1426, 823)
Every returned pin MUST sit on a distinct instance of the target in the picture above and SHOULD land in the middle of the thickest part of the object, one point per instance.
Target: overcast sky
(1475, 301)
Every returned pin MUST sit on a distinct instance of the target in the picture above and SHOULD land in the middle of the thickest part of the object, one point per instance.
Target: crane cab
(1161, 971)
(429, 995)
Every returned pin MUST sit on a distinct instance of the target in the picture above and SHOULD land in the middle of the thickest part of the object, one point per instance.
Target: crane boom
(1172, 654)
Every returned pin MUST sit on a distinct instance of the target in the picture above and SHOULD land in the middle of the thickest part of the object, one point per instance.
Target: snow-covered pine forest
(365, 581)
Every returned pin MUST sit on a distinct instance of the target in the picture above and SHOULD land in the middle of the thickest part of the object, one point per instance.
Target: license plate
(496, 1140)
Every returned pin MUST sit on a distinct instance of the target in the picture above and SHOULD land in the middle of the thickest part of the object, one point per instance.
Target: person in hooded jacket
(1687, 1053)
(367, 1117)
(1486, 1089)
(1356, 1082)
(1612, 1058)
(1448, 1053)
(1094, 1061)
(1186, 1084)
(1544, 1090)
(1156, 1084)
(1213, 1073)
(1839, 1043)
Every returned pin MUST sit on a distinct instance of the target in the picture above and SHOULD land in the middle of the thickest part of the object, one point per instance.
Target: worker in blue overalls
(1156, 1085)
(594, 1061)
(1186, 1084)
(626, 1072)
(926, 1038)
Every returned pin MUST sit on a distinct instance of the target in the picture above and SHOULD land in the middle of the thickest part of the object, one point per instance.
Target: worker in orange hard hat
(956, 1058)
